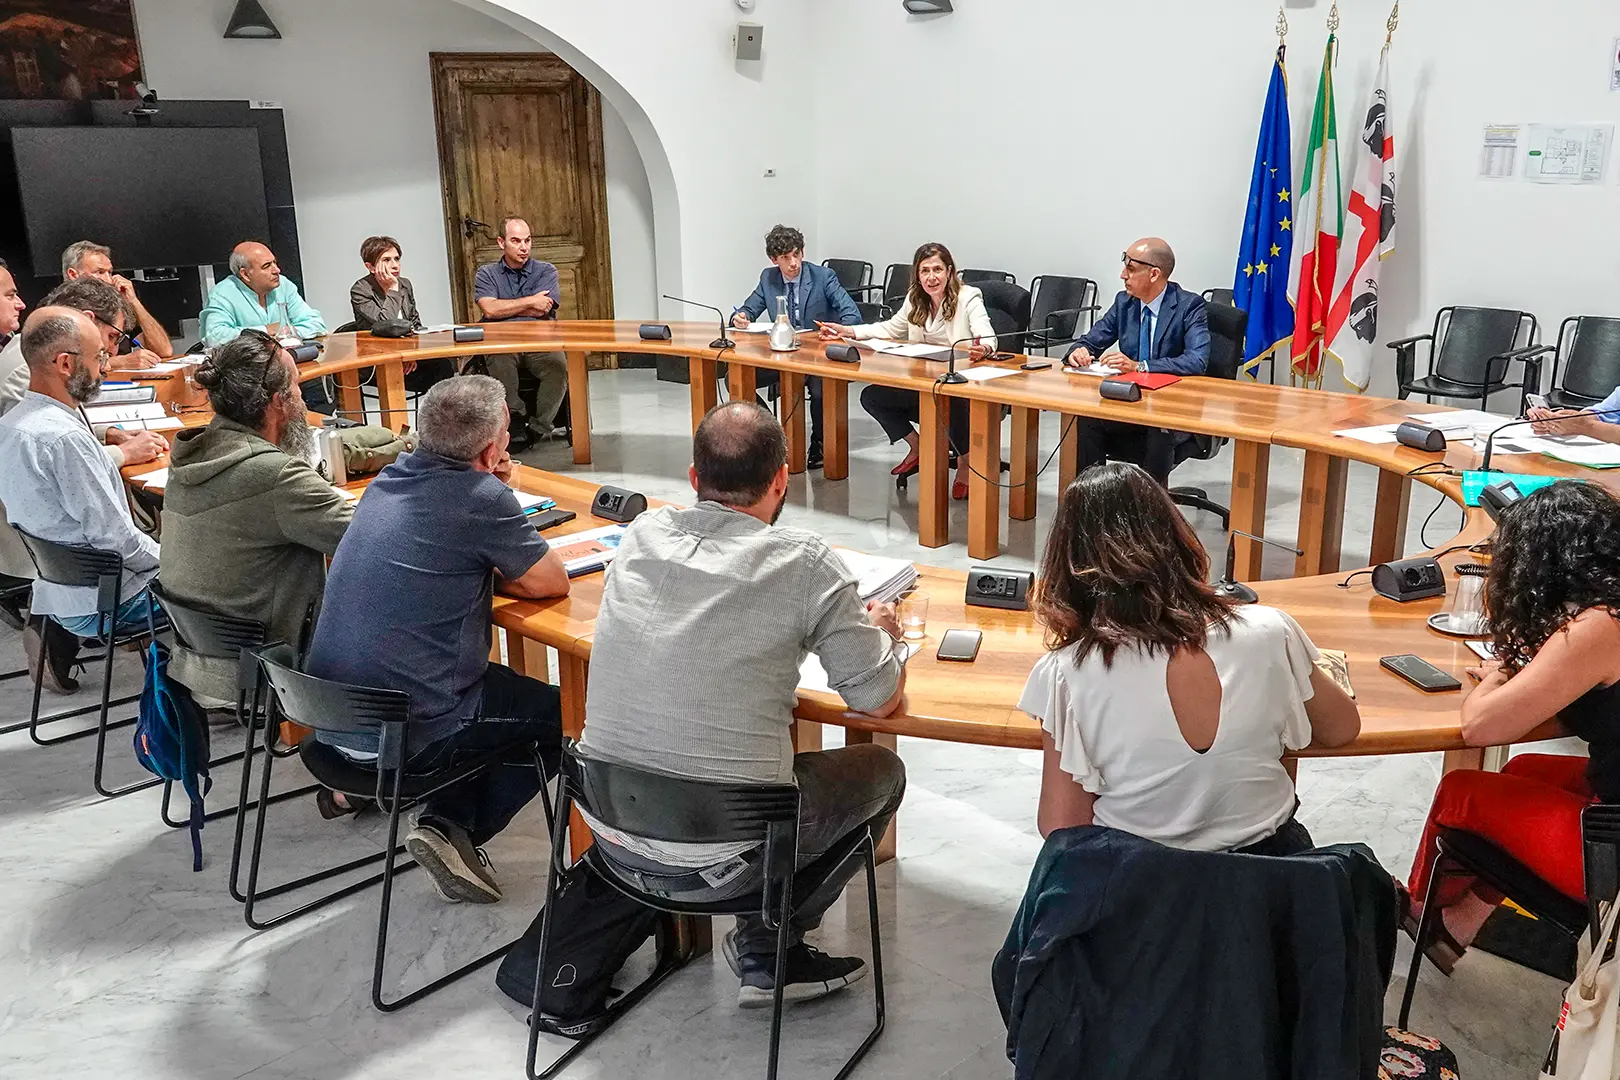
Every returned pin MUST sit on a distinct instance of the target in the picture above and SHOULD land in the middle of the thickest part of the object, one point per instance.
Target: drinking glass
(912, 610)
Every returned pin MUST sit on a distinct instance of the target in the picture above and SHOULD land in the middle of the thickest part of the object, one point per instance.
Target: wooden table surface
(975, 703)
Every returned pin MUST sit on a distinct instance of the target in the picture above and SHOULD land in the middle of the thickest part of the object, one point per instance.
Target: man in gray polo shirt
(706, 615)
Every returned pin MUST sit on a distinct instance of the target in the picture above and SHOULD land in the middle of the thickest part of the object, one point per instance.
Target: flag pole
(1391, 24)
(1319, 346)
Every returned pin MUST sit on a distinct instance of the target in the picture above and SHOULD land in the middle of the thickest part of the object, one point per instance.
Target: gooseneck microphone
(1236, 589)
(1490, 440)
(722, 342)
(953, 376)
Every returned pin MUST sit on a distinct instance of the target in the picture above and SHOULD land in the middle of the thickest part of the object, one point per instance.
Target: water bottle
(783, 336)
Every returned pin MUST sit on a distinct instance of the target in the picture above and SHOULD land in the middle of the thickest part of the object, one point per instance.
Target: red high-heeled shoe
(959, 490)
(908, 466)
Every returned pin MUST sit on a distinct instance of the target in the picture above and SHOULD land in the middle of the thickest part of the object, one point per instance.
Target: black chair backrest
(676, 809)
(978, 277)
(852, 273)
(351, 327)
(1228, 326)
(1600, 836)
(1592, 357)
(1219, 296)
(1056, 293)
(70, 564)
(869, 312)
(1008, 308)
(1474, 338)
(896, 280)
(207, 634)
(323, 705)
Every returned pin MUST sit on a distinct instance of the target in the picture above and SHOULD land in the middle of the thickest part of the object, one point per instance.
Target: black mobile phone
(960, 645)
(1420, 673)
(1036, 365)
(550, 519)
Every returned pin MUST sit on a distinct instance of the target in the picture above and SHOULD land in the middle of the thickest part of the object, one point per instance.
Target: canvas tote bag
(1584, 1043)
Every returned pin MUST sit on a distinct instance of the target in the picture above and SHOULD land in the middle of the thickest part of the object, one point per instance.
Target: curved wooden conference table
(977, 703)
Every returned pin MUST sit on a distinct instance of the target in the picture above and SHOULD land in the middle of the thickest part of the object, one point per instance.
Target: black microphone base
(720, 343)
(1236, 590)
(953, 377)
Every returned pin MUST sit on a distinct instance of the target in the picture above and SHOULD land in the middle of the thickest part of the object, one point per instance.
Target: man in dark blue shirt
(408, 608)
(520, 288)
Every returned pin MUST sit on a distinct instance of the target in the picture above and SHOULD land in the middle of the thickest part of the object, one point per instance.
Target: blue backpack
(171, 738)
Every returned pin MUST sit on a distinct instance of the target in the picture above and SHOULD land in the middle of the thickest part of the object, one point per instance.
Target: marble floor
(115, 958)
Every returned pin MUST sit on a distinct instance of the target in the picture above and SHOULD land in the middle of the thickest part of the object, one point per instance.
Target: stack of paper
(590, 550)
(879, 578)
(1592, 453)
(150, 416)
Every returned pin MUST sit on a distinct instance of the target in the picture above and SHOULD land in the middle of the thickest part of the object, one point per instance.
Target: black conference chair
(87, 567)
(1055, 306)
(896, 283)
(225, 638)
(339, 708)
(1588, 350)
(14, 590)
(1227, 327)
(855, 275)
(1009, 310)
(1224, 297)
(979, 277)
(1473, 855)
(870, 313)
(678, 810)
(1470, 350)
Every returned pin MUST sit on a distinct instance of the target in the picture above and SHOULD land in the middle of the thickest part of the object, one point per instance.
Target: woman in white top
(1166, 707)
(938, 310)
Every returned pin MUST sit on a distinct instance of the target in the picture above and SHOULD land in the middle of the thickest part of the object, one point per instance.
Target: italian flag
(1318, 224)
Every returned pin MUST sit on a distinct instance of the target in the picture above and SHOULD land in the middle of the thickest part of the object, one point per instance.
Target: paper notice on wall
(1498, 151)
(1568, 154)
(1614, 67)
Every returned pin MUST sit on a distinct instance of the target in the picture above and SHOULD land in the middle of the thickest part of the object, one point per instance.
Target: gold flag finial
(1394, 21)
(1282, 25)
(1333, 18)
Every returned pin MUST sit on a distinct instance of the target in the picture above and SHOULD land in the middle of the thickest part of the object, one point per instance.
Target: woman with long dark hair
(1166, 707)
(1553, 597)
(938, 310)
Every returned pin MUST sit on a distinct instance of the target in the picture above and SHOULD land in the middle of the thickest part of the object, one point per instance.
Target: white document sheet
(157, 478)
(903, 348)
(437, 328)
(168, 367)
(1596, 455)
(983, 374)
(763, 326)
(813, 677)
(1378, 434)
(1091, 369)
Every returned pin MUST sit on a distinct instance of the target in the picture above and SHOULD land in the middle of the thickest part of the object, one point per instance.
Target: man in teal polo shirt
(256, 297)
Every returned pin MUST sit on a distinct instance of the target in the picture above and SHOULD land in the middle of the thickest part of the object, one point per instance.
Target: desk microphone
(722, 342)
(953, 376)
(309, 350)
(1485, 461)
(1236, 590)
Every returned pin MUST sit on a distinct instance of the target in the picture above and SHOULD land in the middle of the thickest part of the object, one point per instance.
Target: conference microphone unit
(309, 350)
(1121, 390)
(463, 334)
(654, 331)
(844, 353)
(953, 376)
(1236, 590)
(1490, 440)
(721, 342)
(1421, 437)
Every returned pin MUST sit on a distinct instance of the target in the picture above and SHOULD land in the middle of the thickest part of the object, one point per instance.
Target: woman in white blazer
(939, 310)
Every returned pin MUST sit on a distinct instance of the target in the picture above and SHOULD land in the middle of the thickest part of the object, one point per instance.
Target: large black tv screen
(156, 196)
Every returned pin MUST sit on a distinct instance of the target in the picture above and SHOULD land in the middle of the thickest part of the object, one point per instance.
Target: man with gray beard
(247, 522)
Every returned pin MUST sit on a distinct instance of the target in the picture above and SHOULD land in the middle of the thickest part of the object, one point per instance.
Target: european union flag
(1260, 285)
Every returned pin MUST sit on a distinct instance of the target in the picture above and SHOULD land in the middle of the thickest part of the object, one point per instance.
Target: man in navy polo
(514, 289)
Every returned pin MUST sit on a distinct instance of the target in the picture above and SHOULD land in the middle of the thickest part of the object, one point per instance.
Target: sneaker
(63, 651)
(460, 872)
(811, 974)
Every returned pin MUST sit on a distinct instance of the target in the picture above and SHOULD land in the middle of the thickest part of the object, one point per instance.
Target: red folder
(1149, 380)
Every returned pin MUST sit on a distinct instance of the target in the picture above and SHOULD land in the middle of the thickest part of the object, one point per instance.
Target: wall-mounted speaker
(750, 41)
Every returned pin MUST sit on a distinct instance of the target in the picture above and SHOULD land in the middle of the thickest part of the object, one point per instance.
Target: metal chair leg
(878, 1007)
(102, 729)
(783, 922)
(1431, 912)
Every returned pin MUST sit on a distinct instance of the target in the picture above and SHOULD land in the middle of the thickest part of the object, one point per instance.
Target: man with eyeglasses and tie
(1155, 326)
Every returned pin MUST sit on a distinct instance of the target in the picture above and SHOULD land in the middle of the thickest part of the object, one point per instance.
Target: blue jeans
(132, 617)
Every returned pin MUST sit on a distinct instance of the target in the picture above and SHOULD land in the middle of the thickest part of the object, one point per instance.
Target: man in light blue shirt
(1601, 421)
(58, 483)
(256, 297)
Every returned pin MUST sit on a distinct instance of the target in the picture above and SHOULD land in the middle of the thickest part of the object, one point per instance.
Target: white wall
(1075, 126)
(361, 137)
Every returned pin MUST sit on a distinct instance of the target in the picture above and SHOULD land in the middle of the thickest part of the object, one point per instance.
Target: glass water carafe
(783, 337)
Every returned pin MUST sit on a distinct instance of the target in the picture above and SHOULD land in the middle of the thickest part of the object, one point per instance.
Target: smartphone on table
(962, 645)
(1420, 673)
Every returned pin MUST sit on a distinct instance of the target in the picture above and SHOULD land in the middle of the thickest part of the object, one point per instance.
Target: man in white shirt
(60, 485)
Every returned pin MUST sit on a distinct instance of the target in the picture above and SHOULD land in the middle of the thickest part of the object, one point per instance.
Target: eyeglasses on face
(1125, 257)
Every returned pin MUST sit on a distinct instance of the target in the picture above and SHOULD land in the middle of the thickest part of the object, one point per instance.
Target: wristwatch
(1141, 365)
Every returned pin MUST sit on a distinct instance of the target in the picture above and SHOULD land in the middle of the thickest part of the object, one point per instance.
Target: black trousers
(839, 791)
(897, 410)
(765, 378)
(515, 707)
(1152, 448)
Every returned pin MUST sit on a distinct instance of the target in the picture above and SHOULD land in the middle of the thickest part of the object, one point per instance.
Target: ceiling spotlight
(927, 7)
(251, 21)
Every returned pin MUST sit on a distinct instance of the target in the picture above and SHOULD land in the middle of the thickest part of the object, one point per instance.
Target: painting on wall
(68, 50)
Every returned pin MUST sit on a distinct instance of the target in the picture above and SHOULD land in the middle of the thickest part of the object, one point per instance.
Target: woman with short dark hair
(1553, 597)
(1166, 708)
(383, 295)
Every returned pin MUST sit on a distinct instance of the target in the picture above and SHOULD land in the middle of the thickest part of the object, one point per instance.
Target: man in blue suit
(1156, 326)
(813, 295)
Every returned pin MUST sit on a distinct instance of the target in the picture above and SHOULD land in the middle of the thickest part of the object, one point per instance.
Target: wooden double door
(521, 134)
